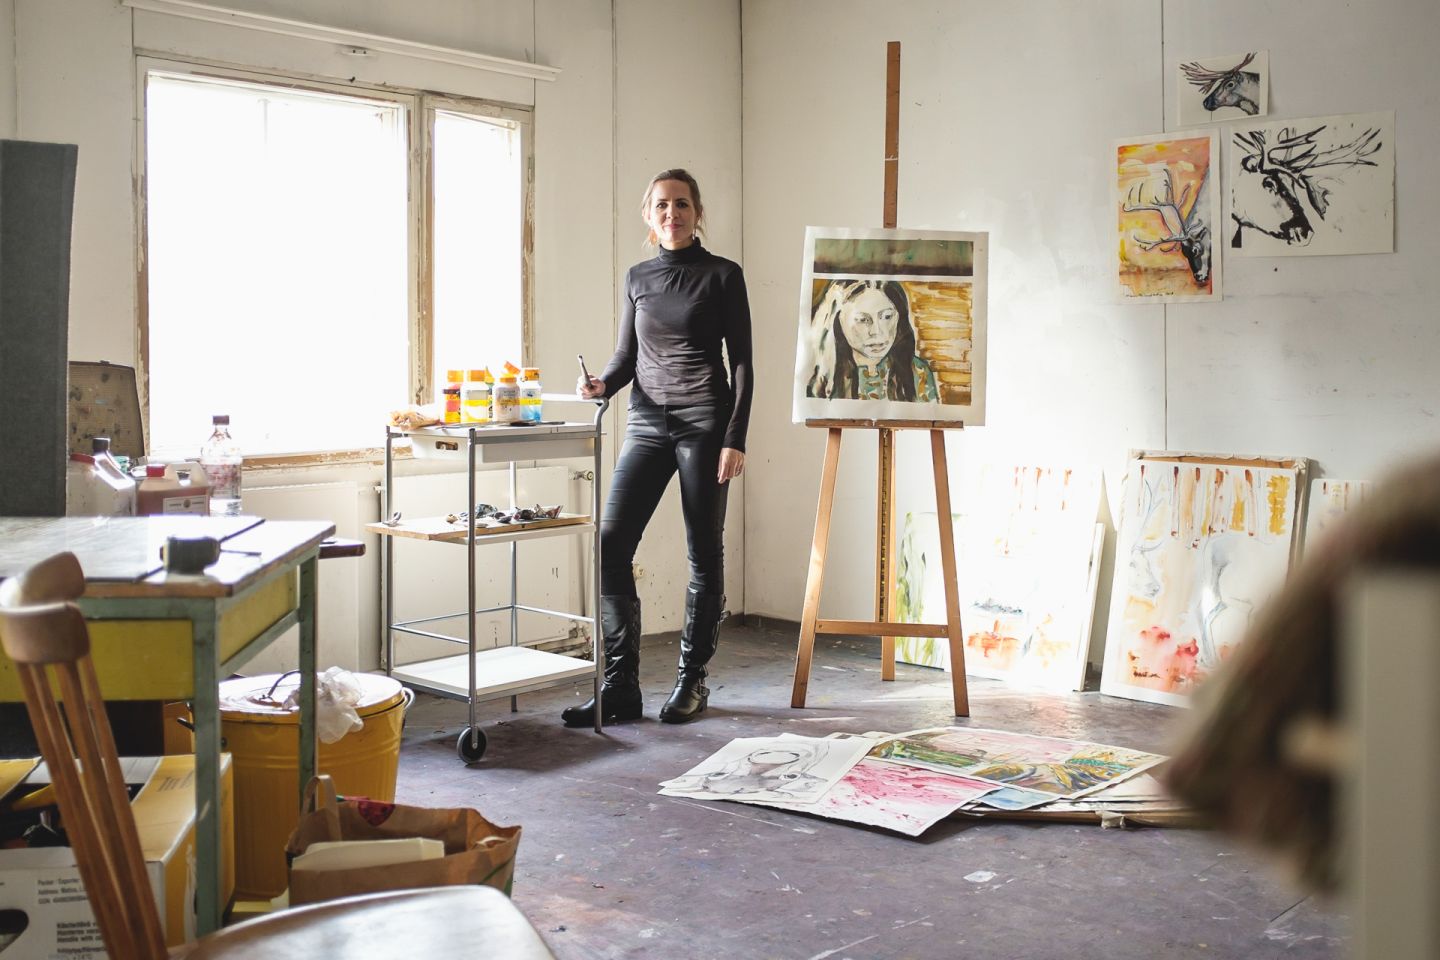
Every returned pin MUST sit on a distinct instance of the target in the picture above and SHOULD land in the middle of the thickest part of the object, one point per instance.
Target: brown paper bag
(476, 850)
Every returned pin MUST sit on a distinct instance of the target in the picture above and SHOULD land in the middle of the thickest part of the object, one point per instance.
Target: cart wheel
(471, 752)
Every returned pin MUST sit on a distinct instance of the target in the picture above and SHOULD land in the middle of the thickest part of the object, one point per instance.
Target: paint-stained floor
(607, 868)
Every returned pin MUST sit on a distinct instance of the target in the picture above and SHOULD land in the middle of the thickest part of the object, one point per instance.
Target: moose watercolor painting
(1202, 542)
(892, 326)
(1315, 187)
(1167, 205)
(1224, 88)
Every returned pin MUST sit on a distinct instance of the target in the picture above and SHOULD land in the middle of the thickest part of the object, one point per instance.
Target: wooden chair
(48, 641)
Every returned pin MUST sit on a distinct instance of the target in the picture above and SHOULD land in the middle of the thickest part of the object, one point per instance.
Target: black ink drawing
(777, 771)
(1283, 187)
(1235, 87)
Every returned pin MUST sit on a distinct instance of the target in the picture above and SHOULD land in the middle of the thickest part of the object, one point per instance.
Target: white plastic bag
(336, 694)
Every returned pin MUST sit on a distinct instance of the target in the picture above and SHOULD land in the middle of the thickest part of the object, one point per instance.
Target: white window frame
(419, 108)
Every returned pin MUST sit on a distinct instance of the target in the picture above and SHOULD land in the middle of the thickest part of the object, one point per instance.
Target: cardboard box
(45, 882)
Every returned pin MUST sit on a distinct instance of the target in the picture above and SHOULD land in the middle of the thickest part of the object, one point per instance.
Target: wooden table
(159, 636)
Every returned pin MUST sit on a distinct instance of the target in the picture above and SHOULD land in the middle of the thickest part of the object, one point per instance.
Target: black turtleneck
(678, 309)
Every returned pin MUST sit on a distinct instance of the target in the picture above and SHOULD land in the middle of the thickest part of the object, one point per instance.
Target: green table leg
(205, 620)
(308, 613)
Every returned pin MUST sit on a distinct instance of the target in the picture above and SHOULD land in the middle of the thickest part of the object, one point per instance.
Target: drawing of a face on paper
(891, 326)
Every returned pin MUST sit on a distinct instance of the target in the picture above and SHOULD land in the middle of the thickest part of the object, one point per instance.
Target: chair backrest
(48, 641)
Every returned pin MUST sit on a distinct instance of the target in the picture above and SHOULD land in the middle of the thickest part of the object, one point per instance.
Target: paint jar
(454, 382)
(475, 397)
(505, 402)
(172, 489)
(530, 396)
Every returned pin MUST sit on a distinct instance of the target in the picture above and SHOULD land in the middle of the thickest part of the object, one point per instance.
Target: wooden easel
(883, 625)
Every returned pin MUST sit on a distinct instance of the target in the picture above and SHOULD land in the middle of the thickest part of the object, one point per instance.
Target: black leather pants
(661, 441)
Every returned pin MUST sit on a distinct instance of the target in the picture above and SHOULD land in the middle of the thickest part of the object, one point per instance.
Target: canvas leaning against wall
(892, 326)
(1028, 560)
(1313, 187)
(1330, 500)
(1167, 206)
(1202, 543)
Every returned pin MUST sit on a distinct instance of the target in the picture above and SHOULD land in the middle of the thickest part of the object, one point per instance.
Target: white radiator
(347, 620)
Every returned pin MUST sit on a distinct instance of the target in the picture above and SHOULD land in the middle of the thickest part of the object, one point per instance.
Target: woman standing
(679, 309)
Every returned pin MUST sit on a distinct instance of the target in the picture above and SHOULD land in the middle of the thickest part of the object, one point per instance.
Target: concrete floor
(607, 868)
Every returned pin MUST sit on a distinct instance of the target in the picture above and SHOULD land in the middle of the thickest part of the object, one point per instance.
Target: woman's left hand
(732, 462)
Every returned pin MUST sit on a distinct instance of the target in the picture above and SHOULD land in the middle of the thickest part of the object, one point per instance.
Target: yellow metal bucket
(263, 740)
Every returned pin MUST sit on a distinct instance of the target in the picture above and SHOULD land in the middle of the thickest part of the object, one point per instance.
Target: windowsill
(291, 461)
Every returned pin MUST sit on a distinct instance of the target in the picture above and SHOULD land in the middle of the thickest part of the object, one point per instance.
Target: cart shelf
(444, 531)
(502, 672)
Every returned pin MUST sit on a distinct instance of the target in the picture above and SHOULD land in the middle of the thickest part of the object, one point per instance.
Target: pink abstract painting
(904, 799)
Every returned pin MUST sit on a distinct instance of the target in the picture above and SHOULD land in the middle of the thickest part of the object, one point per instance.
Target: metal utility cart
(506, 671)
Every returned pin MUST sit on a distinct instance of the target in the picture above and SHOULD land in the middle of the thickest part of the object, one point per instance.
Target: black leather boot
(620, 692)
(697, 645)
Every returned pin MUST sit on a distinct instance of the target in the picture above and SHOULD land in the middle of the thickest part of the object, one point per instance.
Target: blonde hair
(677, 173)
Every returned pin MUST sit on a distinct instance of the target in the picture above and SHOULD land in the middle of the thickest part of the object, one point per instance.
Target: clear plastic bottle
(220, 456)
(530, 391)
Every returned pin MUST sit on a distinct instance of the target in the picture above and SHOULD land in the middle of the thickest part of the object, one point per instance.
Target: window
(306, 271)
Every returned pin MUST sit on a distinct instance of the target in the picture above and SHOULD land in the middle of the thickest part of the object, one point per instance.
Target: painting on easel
(1203, 542)
(892, 326)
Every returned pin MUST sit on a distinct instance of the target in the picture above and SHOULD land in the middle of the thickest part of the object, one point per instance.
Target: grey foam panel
(37, 198)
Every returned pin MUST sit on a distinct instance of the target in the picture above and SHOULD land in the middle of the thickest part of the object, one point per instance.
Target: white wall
(1008, 113)
(72, 78)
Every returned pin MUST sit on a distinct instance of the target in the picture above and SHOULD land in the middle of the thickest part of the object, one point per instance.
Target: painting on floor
(1223, 88)
(1045, 765)
(797, 769)
(892, 326)
(1329, 501)
(1028, 562)
(1167, 205)
(1313, 187)
(906, 800)
(1203, 541)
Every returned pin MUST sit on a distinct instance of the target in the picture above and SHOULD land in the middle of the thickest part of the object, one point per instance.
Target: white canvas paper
(1214, 89)
(1314, 187)
(1202, 544)
(795, 769)
(892, 326)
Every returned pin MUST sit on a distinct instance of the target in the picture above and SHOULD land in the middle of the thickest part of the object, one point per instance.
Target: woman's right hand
(594, 389)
